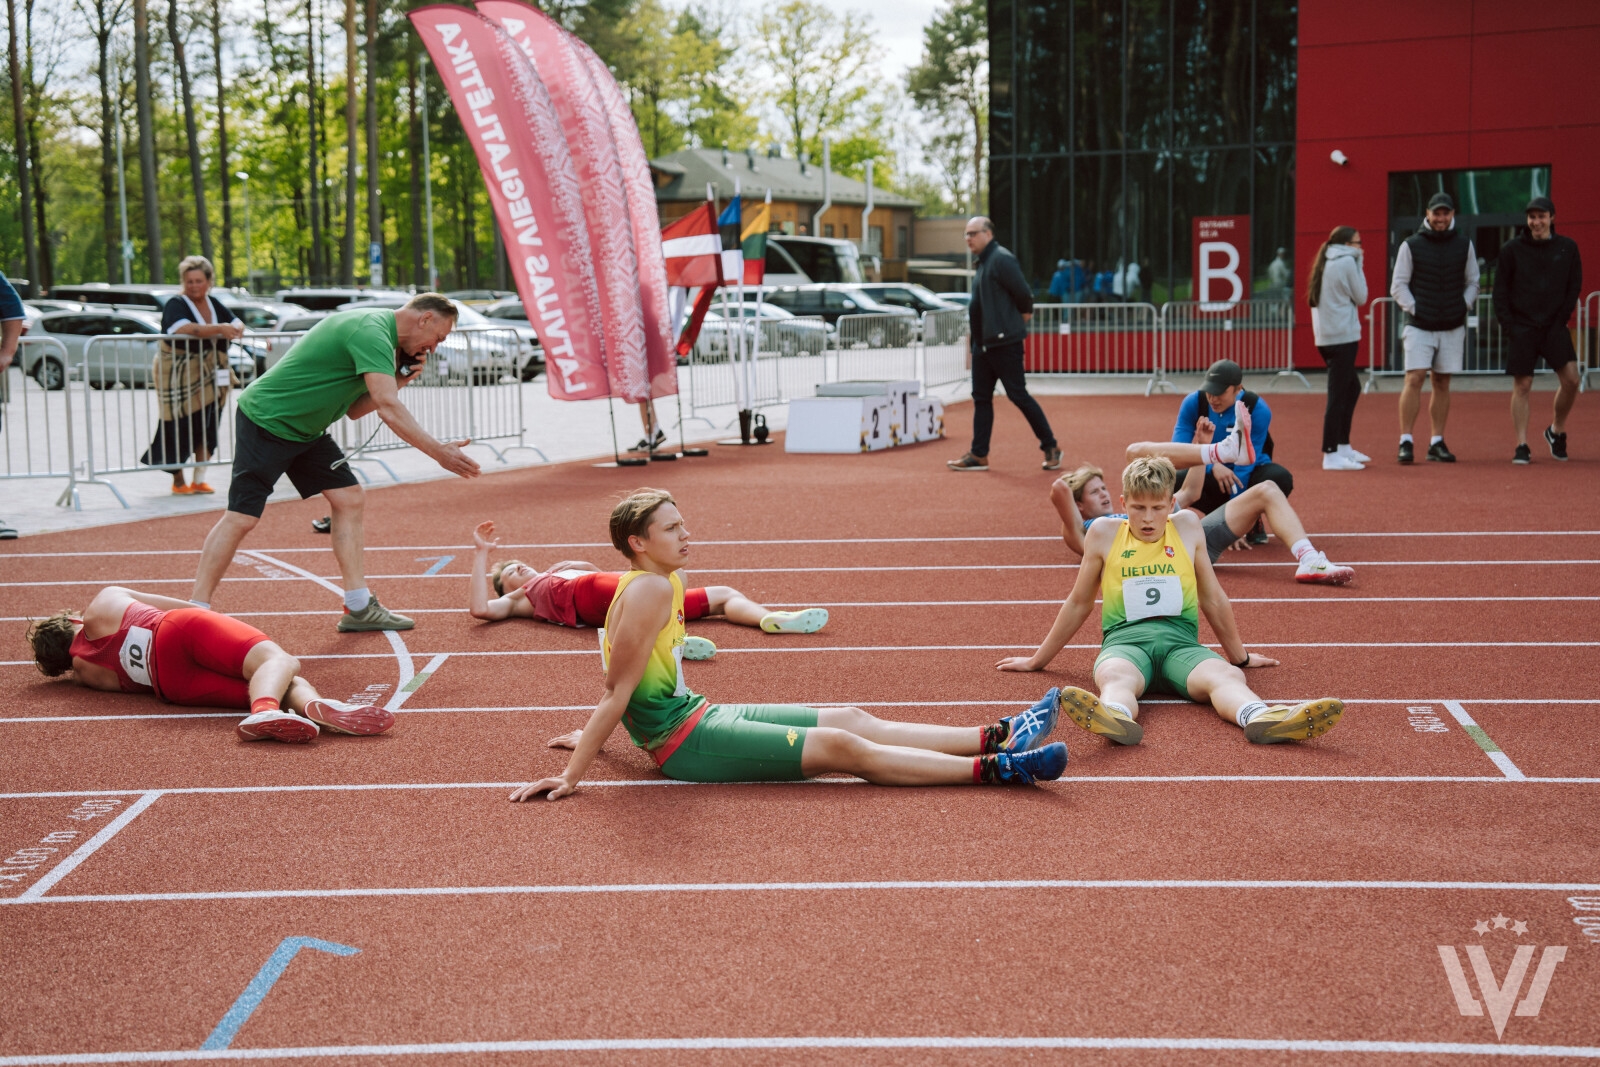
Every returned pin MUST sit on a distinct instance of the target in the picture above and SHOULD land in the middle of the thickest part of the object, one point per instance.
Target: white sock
(1302, 548)
(1435, 439)
(201, 604)
(1208, 454)
(357, 599)
(1114, 706)
(1405, 439)
(1250, 711)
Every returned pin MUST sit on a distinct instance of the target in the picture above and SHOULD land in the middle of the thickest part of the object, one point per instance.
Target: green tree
(819, 65)
(951, 84)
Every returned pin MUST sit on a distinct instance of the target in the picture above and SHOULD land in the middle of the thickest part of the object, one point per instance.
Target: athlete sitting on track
(694, 740)
(132, 642)
(577, 593)
(1152, 576)
(1080, 497)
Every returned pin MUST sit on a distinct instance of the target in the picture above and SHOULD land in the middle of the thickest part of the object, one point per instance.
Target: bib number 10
(1152, 597)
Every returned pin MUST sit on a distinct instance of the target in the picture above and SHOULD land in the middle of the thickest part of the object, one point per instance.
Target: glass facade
(1113, 123)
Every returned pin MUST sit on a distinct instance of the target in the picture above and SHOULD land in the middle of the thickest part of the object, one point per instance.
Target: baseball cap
(1541, 203)
(1441, 200)
(1222, 375)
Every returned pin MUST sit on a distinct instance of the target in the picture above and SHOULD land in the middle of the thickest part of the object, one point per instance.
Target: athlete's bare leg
(1264, 498)
(734, 606)
(220, 545)
(347, 504)
(1222, 685)
(1439, 406)
(1566, 396)
(270, 671)
(829, 750)
(956, 740)
(1181, 455)
(1121, 683)
(300, 693)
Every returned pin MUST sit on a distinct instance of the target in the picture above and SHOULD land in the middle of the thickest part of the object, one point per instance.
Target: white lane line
(950, 885)
(409, 686)
(1484, 741)
(624, 783)
(37, 890)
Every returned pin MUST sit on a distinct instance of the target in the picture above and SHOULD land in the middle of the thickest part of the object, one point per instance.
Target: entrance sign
(1221, 260)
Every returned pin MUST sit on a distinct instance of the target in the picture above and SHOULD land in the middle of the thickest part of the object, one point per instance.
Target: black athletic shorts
(1529, 343)
(261, 458)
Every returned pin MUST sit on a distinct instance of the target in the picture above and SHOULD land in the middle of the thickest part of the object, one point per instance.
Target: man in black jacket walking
(999, 312)
(1536, 286)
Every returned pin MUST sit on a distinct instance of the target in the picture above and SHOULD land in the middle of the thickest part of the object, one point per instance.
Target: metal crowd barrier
(36, 431)
(1588, 338)
(1487, 346)
(1096, 339)
(944, 347)
(876, 347)
(1256, 334)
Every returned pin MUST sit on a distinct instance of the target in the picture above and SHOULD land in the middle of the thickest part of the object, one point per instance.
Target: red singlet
(127, 651)
(584, 600)
(201, 655)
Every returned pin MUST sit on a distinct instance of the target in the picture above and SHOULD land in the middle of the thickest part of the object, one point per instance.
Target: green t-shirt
(314, 385)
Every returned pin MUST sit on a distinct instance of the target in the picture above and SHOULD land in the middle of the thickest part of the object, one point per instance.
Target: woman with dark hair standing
(1336, 292)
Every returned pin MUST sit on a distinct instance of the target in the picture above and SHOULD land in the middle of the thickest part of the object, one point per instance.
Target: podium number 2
(875, 423)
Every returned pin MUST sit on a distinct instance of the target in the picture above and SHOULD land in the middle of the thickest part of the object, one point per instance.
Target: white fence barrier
(1095, 339)
(36, 434)
(944, 347)
(1256, 334)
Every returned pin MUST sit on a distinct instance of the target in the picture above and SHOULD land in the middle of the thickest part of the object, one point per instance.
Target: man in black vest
(1001, 305)
(1435, 283)
(1536, 286)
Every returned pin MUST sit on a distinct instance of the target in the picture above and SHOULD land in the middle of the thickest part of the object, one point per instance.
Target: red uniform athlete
(132, 642)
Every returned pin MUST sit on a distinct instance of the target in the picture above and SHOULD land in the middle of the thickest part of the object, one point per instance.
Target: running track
(1196, 899)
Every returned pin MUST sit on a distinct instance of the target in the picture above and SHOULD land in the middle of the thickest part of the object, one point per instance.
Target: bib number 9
(1152, 597)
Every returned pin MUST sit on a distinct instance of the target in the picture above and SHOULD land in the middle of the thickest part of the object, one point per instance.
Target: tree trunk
(419, 267)
(223, 170)
(313, 111)
(978, 148)
(108, 146)
(374, 213)
(197, 174)
(24, 174)
(46, 277)
(148, 189)
(347, 273)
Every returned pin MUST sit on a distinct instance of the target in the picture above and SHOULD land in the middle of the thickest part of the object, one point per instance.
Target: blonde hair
(1149, 476)
(631, 517)
(1078, 479)
(498, 570)
(199, 263)
(439, 305)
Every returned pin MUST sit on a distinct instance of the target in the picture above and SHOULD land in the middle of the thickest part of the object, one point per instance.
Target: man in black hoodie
(1536, 286)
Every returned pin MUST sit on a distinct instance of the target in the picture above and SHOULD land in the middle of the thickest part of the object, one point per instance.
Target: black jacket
(1438, 260)
(1536, 283)
(1000, 297)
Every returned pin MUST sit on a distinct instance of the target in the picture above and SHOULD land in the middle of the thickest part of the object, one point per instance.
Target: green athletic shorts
(1162, 656)
(743, 743)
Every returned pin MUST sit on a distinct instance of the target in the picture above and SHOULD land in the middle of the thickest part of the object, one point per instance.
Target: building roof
(683, 176)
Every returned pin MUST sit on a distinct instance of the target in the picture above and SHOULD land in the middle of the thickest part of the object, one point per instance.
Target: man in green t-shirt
(351, 363)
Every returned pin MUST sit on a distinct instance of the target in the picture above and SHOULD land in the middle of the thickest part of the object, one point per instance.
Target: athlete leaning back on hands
(694, 740)
(1155, 577)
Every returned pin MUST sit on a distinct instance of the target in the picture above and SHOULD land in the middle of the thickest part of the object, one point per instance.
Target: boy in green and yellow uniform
(1155, 577)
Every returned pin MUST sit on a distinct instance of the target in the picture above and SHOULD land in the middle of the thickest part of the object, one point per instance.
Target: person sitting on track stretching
(1150, 572)
(1080, 496)
(131, 642)
(577, 593)
(695, 740)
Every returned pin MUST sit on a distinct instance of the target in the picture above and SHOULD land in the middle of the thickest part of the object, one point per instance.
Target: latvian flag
(691, 246)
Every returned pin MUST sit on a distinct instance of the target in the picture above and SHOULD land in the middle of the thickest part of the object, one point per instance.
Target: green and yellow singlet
(661, 701)
(1149, 585)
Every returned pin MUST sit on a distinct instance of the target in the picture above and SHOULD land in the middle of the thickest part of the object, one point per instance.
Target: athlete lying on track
(1153, 577)
(695, 740)
(577, 593)
(132, 642)
(1080, 496)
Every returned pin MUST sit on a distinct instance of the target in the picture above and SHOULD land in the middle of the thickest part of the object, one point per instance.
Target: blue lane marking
(443, 562)
(259, 986)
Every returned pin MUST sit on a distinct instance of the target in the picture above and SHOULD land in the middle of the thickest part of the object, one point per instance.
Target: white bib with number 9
(1147, 598)
(135, 654)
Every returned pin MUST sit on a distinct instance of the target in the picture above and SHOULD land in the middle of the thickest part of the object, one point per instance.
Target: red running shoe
(361, 719)
(276, 726)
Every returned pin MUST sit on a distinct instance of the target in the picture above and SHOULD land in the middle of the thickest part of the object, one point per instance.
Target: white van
(809, 260)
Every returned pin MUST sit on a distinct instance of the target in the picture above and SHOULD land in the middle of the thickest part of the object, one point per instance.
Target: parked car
(510, 309)
(267, 316)
(478, 297)
(782, 333)
(328, 299)
(118, 296)
(107, 365)
(528, 360)
(834, 302)
(960, 300)
(53, 305)
(906, 295)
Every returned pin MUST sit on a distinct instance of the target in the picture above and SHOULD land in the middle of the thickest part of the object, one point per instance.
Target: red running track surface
(1195, 899)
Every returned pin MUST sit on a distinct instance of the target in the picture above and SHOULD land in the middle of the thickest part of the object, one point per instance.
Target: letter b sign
(1221, 259)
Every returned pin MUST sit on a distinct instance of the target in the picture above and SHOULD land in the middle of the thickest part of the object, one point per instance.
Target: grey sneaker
(1052, 459)
(372, 617)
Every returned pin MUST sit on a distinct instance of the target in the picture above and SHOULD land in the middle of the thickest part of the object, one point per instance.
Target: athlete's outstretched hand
(558, 788)
(567, 740)
(1016, 663)
(483, 536)
(1256, 659)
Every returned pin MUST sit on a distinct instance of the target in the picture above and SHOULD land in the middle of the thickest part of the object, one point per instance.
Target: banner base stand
(752, 430)
(663, 457)
(630, 462)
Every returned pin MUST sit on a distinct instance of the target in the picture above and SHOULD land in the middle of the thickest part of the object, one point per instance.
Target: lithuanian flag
(753, 241)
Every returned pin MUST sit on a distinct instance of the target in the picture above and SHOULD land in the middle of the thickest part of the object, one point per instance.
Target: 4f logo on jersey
(1498, 995)
(1128, 552)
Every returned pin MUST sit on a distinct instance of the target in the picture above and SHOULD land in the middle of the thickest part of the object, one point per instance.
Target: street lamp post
(249, 262)
(427, 178)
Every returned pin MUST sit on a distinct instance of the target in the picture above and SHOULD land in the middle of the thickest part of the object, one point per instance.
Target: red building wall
(1407, 85)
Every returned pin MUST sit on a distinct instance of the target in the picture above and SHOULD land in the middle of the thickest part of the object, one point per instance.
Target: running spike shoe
(1319, 570)
(1086, 709)
(1238, 447)
(276, 726)
(1030, 728)
(364, 720)
(698, 648)
(808, 621)
(1036, 765)
(1299, 723)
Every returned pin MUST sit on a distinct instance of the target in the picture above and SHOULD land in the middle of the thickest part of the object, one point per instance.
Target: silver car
(126, 359)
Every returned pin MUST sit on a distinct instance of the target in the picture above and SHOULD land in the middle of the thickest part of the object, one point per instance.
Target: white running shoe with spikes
(1319, 570)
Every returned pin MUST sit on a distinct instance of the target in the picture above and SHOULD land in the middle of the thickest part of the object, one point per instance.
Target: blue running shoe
(1037, 765)
(1030, 728)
